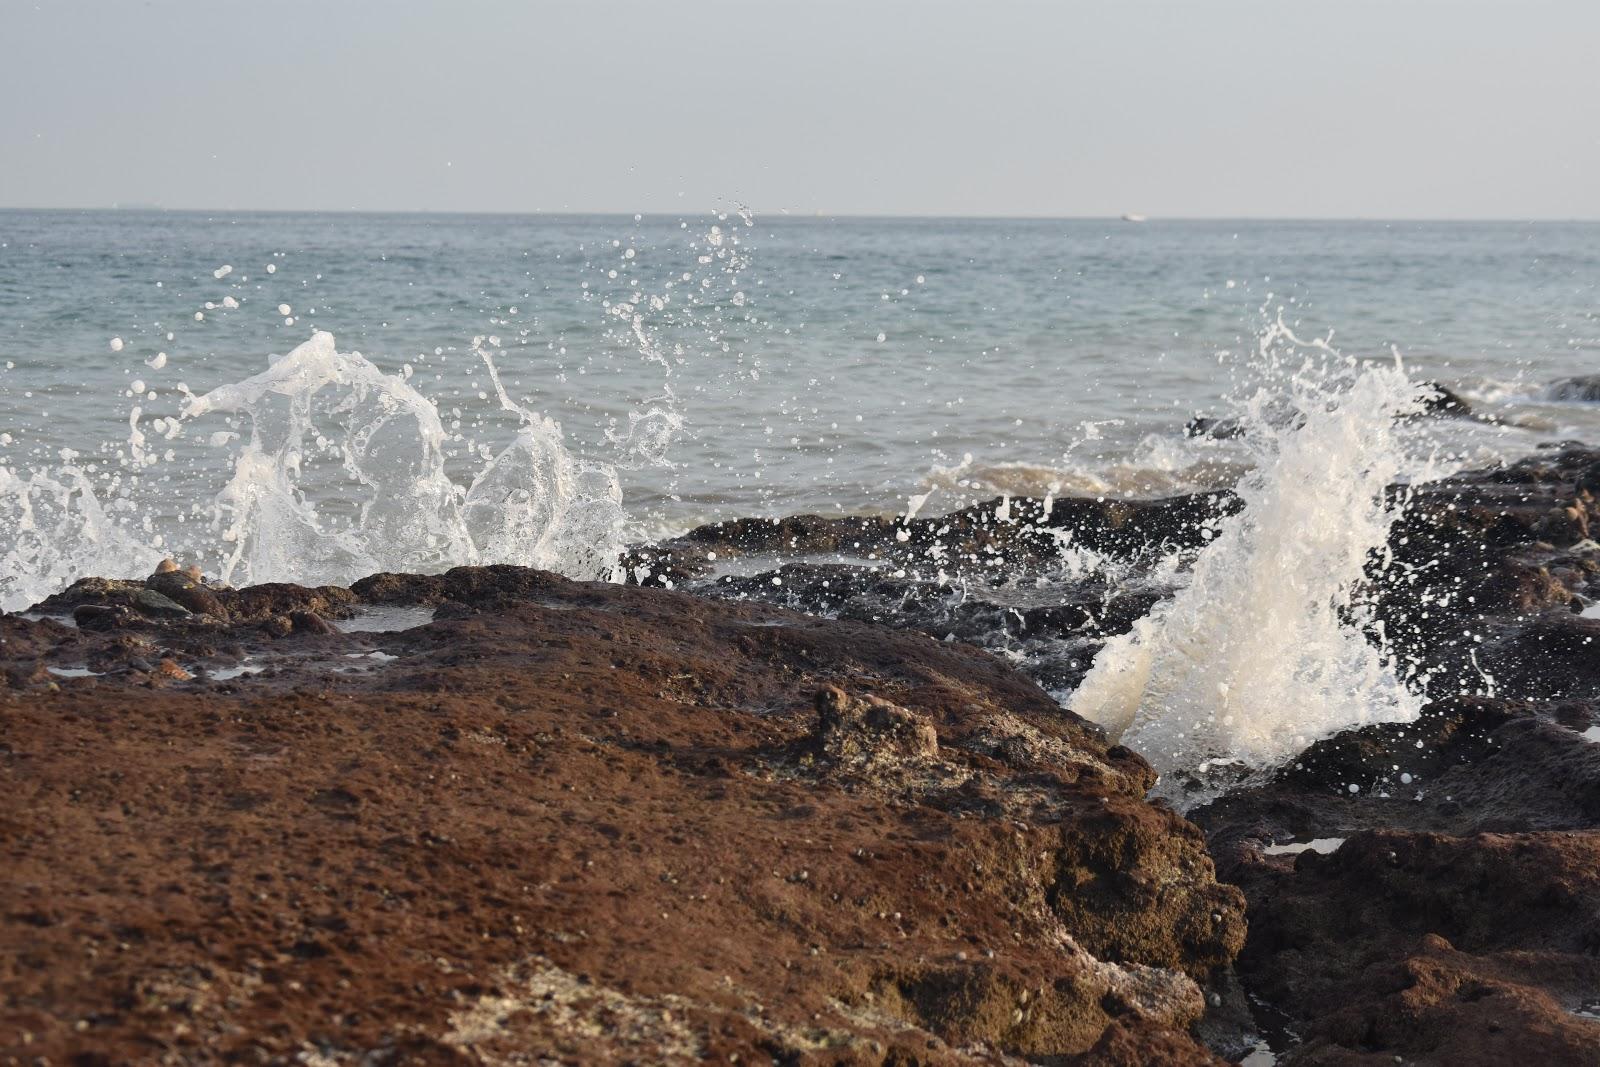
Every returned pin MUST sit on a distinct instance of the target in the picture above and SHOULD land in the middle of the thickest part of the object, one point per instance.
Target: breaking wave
(1268, 646)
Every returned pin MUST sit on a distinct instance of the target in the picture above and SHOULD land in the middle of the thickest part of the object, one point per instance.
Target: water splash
(341, 473)
(390, 444)
(537, 504)
(333, 469)
(58, 527)
(1266, 648)
(398, 509)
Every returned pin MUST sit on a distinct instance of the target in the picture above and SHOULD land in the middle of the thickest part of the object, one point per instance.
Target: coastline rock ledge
(494, 816)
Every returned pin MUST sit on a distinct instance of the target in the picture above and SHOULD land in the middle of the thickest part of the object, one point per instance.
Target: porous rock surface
(1458, 922)
(1455, 920)
(567, 822)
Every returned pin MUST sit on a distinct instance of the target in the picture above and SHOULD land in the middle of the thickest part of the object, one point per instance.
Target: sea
(315, 397)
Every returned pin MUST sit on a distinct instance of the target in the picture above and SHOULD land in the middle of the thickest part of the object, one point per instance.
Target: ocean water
(830, 365)
(316, 397)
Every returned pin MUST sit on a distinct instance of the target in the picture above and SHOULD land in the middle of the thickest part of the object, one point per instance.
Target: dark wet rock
(1220, 429)
(309, 622)
(158, 606)
(277, 626)
(184, 590)
(1009, 535)
(1456, 918)
(471, 586)
(995, 574)
(97, 591)
(1475, 557)
(1436, 401)
(1554, 654)
(101, 616)
(1584, 387)
(1433, 948)
(258, 602)
(605, 820)
(1439, 400)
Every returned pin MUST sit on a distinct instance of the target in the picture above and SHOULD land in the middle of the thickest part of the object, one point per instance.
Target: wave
(1267, 646)
(388, 504)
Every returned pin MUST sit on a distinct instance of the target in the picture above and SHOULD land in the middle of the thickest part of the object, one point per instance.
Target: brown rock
(188, 592)
(870, 729)
(605, 821)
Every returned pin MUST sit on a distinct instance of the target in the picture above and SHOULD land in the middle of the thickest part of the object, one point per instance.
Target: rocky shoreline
(781, 798)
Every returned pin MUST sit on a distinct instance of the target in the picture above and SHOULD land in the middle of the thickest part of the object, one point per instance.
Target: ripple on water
(387, 619)
(1323, 846)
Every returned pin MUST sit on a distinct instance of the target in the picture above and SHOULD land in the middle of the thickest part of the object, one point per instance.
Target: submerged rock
(1440, 400)
(1584, 387)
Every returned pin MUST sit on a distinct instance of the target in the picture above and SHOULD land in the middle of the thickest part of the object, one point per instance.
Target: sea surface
(722, 365)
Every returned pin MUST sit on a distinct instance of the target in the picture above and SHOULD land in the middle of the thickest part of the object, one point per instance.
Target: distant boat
(1133, 218)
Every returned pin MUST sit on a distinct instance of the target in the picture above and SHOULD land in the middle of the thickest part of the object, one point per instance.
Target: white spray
(533, 504)
(1263, 651)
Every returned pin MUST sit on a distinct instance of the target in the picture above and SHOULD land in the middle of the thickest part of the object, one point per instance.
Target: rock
(99, 591)
(309, 622)
(257, 602)
(1440, 401)
(277, 626)
(187, 592)
(1564, 525)
(1220, 429)
(870, 730)
(603, 820)
(168, 668)
(1584, 387)
(158, 606)
(100, 617)
(1435, 949)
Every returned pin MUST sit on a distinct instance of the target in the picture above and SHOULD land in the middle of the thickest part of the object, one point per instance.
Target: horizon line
(793, 215)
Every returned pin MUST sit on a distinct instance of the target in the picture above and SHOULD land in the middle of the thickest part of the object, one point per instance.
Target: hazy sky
(1373, 108)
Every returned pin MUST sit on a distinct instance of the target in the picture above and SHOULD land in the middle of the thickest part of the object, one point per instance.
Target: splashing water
(533, 503)
(395, 507)
(391, 450)
(57, 525)
(336, 469)
(1265, 649)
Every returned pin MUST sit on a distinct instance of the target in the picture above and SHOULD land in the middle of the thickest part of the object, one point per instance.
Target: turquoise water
(815, 364)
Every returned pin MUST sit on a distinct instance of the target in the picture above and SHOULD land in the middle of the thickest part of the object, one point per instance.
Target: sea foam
(1270, 643)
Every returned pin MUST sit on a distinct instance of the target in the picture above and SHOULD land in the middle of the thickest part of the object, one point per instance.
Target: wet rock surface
(1482, 598)
(469, 815)
(1042, 582)
(586, 823)
(1429, 892)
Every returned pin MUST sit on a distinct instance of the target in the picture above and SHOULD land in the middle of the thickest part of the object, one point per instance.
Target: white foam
(1263, 650)
(1322, 846)
(223, 674)
(1260, 1055)
(58, 531)
(74, 672)
(533, 504)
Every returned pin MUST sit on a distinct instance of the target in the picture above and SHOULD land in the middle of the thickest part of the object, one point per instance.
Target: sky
(1198, 108)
